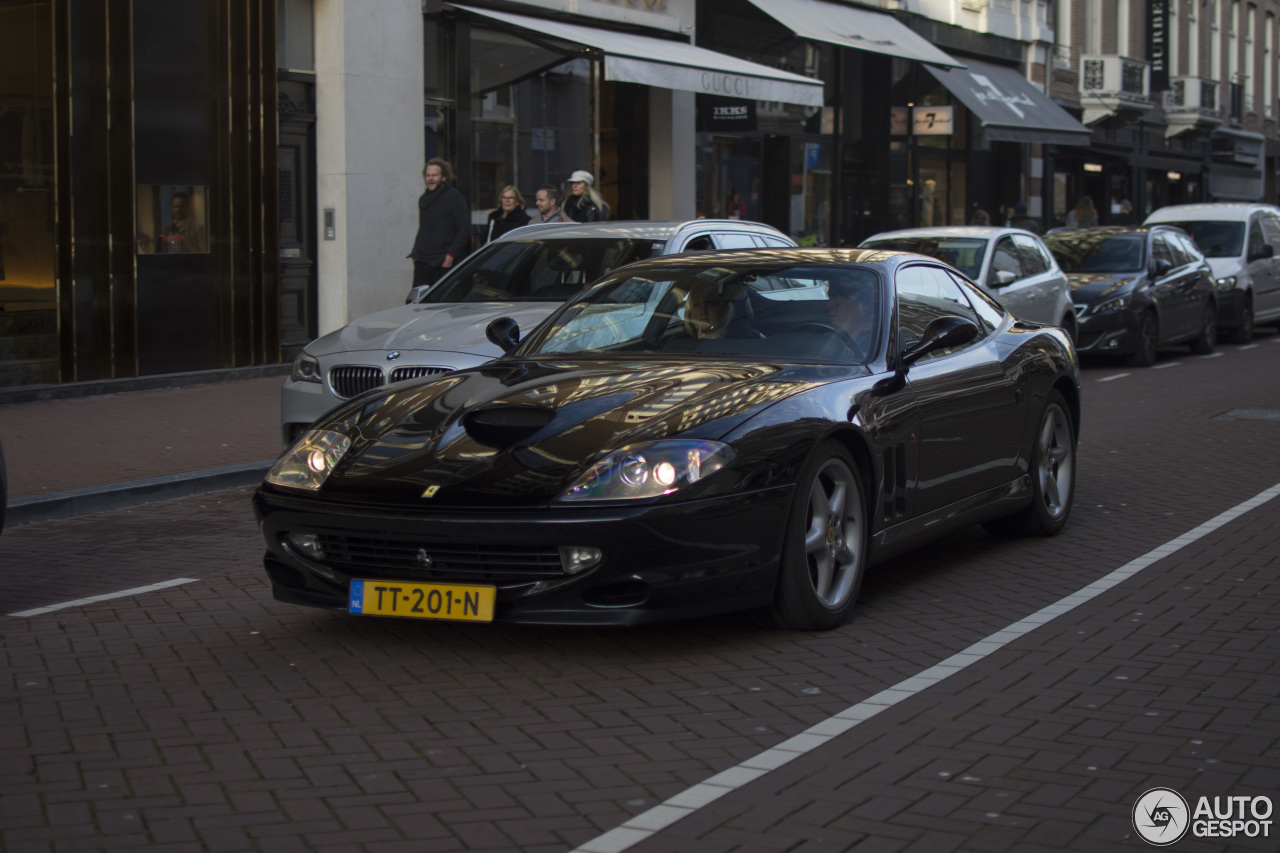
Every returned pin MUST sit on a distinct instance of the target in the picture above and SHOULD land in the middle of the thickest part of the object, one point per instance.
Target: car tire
(1243, 333)
(825, 548)
(1148, 341)
(1208, 337)
(1053, 477)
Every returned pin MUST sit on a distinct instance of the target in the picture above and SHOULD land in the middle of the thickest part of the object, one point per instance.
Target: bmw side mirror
(1004, 278)
(416, 294)
(504, 333)
(942, 333)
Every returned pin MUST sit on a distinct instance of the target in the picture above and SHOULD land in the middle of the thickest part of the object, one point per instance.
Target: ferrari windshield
(538, 270)
(805, 312)
(1098, 251)
(963, 253)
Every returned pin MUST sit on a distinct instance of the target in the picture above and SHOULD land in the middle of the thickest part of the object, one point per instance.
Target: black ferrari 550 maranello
(690, 435)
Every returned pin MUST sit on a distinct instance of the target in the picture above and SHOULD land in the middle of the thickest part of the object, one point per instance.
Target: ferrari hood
(1087, 288)
(519, 433)
(452, 327)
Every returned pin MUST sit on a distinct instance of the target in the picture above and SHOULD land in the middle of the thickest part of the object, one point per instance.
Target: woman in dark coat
(444, 224)
(510, 214)
(583, 204)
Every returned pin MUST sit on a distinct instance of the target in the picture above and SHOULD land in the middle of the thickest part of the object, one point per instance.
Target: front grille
(415, 372)
(348, 381)
(359, 556)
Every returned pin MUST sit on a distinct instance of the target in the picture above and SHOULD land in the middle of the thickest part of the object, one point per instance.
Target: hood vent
(506, 426)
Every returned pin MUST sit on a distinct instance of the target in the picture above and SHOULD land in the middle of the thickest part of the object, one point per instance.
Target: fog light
(575, 558)
(307, 544)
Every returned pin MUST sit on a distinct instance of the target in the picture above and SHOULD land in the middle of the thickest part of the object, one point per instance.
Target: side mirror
(416, 293)
(942, 333)
(1267, 251)
(1163, 265)
(1004, 278)
(504, 333)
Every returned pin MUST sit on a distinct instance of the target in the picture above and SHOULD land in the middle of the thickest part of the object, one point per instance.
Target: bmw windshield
(533, 270)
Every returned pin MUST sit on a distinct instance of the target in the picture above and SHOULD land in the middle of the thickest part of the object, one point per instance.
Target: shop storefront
(136, 218)
(819, 172)
(526, 99)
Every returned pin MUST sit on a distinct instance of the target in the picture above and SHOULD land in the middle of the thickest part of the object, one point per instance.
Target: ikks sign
(725, 114)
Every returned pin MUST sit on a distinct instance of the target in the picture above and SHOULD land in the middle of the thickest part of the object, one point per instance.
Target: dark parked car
(1137, 289)
(691, 435)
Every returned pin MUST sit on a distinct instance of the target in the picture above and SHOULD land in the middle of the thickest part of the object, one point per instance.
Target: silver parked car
(525, 274)
(1012, 265)
(1242, 243)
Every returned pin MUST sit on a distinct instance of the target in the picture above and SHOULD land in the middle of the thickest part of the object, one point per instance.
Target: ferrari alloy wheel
(1053, 477)
(1144, 354)
(1208, 338)
(824, 555)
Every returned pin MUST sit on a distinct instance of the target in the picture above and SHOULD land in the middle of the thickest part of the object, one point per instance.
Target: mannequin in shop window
(183, 235)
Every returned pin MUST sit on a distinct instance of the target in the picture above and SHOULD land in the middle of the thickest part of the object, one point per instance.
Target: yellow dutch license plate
(423, 600)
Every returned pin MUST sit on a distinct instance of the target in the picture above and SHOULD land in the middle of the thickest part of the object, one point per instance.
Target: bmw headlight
(1114, 304)
(650, 469)
(306, 368)
(1228, 283)
(310, 461)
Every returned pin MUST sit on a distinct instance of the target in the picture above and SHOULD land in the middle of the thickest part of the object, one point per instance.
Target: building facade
(157, 215)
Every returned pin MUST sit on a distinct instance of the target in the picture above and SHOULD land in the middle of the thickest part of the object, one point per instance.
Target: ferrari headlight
(649, 470)
(1228, 283)
(306, 368)
(1114, 304)
(310, 461)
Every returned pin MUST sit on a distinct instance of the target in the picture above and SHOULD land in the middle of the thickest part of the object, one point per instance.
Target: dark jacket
(1026, 223)
(500, 224)
(580, 208)
(444, 226)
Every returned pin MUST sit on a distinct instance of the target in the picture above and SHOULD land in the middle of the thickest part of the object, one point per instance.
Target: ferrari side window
(926, 293)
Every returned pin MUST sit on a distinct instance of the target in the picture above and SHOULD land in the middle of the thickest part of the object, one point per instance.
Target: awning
(1009, 108)
(671, 64)
(848, 26)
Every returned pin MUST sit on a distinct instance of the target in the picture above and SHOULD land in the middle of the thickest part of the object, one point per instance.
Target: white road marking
(124, 593)
(1249, 346)
(663, 815)
(1213, 355)
(1114, 376)
(1166, 364)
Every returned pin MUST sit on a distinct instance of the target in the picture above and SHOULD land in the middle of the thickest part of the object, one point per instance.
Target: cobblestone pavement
(207, 717)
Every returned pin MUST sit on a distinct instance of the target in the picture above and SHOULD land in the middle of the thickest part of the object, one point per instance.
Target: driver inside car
(708, 308)
(851, 309)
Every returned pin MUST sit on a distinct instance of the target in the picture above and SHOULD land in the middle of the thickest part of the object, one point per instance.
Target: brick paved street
(207, 716)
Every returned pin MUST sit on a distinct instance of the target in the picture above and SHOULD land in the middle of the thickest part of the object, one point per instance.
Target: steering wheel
(842, 336)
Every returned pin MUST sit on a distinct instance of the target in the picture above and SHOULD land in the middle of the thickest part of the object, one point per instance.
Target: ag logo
(1161, 816)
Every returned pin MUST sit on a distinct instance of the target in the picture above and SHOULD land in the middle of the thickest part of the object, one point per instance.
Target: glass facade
(136, 225)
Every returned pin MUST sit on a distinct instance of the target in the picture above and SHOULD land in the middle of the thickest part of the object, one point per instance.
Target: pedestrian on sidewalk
(584, 204)
(511, 214)
(547, 200)
(444, 224)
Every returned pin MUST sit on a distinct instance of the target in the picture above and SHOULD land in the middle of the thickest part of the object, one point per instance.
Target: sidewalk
(72, 456)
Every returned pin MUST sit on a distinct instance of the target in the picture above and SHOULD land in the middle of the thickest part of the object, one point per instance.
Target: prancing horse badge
(430, 491)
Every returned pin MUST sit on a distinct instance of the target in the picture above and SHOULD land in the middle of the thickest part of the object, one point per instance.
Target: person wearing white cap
(584, 204)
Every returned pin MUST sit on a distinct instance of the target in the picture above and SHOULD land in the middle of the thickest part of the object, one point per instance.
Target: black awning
(1008, 107)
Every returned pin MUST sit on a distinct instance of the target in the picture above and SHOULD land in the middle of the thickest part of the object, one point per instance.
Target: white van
(1242, 244)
